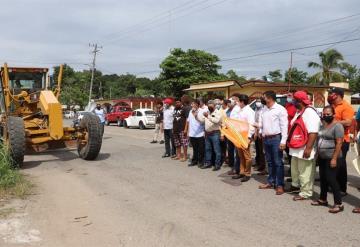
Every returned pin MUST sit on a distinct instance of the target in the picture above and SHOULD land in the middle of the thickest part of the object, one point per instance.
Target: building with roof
(255, 88)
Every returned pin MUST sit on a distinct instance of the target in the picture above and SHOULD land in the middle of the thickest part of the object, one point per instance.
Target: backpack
(298, 134)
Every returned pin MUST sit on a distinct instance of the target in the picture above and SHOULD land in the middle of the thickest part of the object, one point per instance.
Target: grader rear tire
(92, 130)
(16, 140)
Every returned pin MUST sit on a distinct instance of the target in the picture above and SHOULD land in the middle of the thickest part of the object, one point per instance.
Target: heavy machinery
(31, 115)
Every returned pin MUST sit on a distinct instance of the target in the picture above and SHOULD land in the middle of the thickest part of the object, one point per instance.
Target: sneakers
(153, 142)
(161, 142)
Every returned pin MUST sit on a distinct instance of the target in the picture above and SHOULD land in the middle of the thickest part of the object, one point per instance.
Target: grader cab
(31, 115)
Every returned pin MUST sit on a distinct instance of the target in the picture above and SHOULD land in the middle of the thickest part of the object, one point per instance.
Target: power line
(161, 15)
(287, 50)
(164, 22)
(287, 32)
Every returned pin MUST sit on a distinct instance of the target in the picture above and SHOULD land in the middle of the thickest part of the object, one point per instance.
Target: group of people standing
(308, 137)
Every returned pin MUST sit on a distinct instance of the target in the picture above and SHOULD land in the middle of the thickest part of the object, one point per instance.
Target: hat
(168, 101)
(337, 90)
(302, 96)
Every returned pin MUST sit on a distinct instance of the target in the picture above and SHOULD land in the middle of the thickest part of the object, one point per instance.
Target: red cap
(302, 96)
(168, 101)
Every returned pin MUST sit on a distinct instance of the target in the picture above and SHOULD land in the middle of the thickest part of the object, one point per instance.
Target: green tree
(330, 63)
(297, 76)
(182, 68)
(274, 76)
(232, 75)
(352, 75)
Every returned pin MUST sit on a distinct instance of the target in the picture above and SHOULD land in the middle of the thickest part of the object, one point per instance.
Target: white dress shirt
(245, 114)
(275, 121)
(168, 118)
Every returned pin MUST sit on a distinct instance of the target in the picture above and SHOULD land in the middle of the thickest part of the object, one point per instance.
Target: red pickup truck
(118, 114)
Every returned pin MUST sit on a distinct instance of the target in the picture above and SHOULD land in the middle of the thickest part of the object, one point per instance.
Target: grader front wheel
(90, 137)
(15, 140)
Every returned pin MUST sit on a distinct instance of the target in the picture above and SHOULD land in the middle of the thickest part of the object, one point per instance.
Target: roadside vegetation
(183, 67)
(12, 182)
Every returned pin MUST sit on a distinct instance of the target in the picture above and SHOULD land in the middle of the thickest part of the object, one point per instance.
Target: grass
(12, 182)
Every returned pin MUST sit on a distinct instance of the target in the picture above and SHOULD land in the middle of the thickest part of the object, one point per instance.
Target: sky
(135, 36)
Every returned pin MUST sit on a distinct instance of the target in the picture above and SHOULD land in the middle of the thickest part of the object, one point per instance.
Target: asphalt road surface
(130, 196)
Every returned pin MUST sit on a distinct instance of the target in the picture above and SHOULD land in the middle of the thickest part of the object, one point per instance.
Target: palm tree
(330, 62)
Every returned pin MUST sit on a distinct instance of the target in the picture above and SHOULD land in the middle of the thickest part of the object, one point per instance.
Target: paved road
(130, 196)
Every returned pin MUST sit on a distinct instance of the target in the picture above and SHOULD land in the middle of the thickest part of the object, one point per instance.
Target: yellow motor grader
(31, 115)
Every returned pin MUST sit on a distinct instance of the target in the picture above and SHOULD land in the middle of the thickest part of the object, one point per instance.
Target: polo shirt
(344, 111)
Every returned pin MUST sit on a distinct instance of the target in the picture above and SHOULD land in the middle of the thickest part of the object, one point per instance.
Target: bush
(11, 181)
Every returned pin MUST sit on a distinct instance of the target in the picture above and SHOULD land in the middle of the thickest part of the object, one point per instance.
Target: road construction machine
(31, 115)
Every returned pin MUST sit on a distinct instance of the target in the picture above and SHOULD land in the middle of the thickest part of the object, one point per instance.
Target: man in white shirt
(100, 112)
(168, 113)
(246, 114)
(259, 147)
(212, 136)
(274, 128)
(302, 161)
(195, 130)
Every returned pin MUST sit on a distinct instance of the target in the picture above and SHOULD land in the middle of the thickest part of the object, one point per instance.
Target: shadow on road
(58, 155)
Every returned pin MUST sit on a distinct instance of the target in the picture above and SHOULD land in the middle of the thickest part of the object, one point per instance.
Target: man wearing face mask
(260, 158)
(212, 136)
(232, 153)
(303, 153)
(291, 111)
(274, 128)
(344, 114)
(246, 114)
(101, 115)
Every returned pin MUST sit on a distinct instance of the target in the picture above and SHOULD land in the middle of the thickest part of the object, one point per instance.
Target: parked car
(142, 118)
(69, 114)
(118, 114)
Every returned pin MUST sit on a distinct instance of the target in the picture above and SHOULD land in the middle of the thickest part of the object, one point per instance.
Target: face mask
(328, 119)
(331, 98)
(289, 100)
(218, 106)
(258, 104)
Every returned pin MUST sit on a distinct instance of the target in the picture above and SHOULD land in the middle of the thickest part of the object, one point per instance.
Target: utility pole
(95, 51)
(290, 68)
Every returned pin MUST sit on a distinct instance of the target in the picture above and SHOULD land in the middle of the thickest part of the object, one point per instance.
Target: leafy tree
(297, 76)
(274, 76)
(352, 75)
(330, 63)
(182, 68)
(232, 75)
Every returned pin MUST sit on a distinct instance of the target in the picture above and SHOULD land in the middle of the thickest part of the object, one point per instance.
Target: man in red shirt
(291, 111)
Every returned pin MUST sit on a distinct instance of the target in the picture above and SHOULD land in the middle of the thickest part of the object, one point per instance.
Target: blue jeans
(274, 160)
(212, 144)
(233, 155)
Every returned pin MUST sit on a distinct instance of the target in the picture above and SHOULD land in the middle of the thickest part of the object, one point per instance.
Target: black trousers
(223, 146)
(198, 145)
(328, 179)
(169, 141)
(342, 170)
(260, 156)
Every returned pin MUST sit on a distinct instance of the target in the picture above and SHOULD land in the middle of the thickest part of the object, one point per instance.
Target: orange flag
(237, 132)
